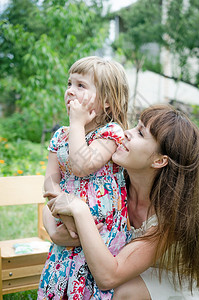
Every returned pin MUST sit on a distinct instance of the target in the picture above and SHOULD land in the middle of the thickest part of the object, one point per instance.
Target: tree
(35, 60)
(141, 26)
(181, 28)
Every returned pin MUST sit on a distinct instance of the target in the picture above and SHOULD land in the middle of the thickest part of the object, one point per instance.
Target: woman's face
(138, 150)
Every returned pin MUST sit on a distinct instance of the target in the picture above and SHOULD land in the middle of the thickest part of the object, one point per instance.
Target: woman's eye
(140, 133)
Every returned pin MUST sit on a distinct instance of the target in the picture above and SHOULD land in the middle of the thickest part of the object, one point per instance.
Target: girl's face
(138, 150)
(78, 84)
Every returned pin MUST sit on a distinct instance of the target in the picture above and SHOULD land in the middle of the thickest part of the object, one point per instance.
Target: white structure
(153, 88)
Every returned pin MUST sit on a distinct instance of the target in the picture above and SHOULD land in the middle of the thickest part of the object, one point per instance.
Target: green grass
(28, 295)
(18, 221)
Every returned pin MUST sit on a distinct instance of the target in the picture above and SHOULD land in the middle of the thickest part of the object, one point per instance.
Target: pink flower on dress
(78, 289)
(109, 221)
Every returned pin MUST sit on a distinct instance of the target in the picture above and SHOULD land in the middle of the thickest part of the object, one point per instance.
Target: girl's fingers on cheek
(92, 100)
(90, 104)
(85, 98)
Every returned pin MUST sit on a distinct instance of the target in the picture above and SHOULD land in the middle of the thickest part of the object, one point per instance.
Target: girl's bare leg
(134, 289)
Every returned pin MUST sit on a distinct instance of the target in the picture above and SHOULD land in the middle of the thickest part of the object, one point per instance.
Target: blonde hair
(111, 87)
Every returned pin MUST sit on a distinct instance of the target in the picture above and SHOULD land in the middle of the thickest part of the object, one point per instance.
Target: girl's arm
(108, 271)
(52, 176)
(59, 235)
(52, 189)
(86, 159)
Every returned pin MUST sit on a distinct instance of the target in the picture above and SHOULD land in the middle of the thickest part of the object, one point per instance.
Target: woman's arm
(108, 271)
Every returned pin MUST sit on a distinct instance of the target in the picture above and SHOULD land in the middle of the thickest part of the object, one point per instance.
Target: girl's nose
(70, 90)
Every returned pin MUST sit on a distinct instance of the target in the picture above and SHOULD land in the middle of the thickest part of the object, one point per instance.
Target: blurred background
(156, 41)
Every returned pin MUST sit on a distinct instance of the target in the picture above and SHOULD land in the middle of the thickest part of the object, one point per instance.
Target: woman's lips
(122, 147)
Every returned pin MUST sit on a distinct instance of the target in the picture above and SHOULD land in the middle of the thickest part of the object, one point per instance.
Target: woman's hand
(58, 234)
(68, 204)
(65, 204)
(50, 195)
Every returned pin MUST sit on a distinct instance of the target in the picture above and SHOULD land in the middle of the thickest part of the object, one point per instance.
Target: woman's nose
(128, 134)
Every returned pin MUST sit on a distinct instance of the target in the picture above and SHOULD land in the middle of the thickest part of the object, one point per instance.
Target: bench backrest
(19, 190)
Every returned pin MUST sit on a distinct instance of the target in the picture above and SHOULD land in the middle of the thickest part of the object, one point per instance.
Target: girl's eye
(81, 85)
(69, 84)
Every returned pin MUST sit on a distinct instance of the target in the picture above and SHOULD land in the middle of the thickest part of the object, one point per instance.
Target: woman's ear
(160, 162)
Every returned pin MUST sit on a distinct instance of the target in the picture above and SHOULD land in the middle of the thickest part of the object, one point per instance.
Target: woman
(161, 156)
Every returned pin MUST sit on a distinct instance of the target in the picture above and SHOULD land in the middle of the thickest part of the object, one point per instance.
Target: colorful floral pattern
(66, 274)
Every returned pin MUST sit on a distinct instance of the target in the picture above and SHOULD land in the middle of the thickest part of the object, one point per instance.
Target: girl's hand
(82, 113)
(70, 225)
(62, 237)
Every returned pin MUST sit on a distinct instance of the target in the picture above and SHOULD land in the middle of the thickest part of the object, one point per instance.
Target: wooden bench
(21, 272)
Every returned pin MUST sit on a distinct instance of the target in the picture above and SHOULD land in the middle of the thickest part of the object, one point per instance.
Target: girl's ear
(160, 162)
(106, 105)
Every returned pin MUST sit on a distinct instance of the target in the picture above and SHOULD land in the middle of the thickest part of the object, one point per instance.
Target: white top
(152, 221)
(163, 290)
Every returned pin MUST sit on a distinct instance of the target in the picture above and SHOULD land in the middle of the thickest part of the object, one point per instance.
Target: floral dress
(66, 274)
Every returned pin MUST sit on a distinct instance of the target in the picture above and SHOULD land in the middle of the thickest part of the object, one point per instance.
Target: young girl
(80, 163)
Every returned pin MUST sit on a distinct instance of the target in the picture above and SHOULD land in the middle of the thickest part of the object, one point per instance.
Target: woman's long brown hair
(175, 191)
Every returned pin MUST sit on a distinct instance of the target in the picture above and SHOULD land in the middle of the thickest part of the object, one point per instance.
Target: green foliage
(38, 45)
(22, 158)
(18, 126)
(172, 24)
(152, 65)
(182, 36)
(141, 25)
(195, 114)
